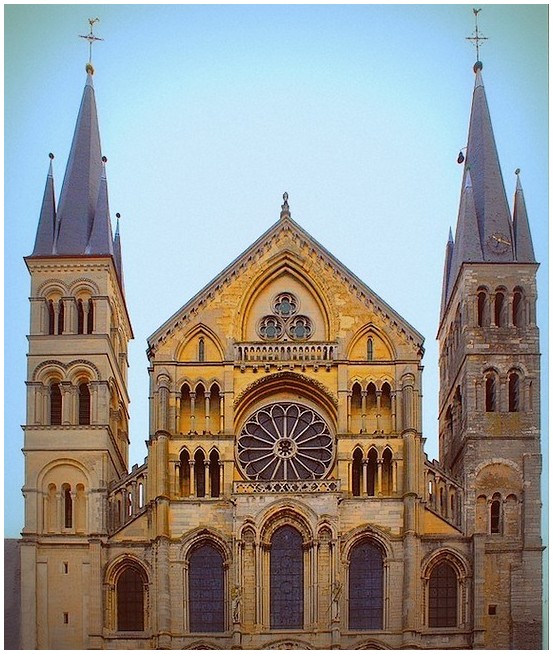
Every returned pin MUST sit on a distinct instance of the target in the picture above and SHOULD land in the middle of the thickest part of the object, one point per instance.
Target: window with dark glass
(51, 318)
(80, 317)
(366, 587)
(495, 516)
(55, 404)
(370, 349)
(90, 318)
(67, 507)
(286, 579)
(214, 474)
(184, 473)
(387, 473)
(199, 473)
(356, 472)
(84, 404)
(491, 400)
(130, 601)
(61, 317)
(201, 350)
(206, 590)
(500, 310)
(372, 462)
(442, 596)
(481, 308)
(514, 393)
(517, 309)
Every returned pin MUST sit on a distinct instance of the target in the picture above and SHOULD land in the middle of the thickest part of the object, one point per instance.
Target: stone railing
(304, 353)
(299, 486)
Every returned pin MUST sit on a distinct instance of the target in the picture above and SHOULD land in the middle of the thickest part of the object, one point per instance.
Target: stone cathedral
(286, 501)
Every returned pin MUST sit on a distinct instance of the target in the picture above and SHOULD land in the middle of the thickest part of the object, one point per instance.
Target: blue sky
(208, 113)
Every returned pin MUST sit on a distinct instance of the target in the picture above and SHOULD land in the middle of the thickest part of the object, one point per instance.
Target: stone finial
(285, 207)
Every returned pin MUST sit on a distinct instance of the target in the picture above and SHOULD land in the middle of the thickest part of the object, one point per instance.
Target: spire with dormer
(45, 233)
(521, 228)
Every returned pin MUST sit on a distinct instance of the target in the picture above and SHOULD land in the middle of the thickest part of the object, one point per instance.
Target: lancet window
(366, 586)
(130, 594)
(443, 596)
(286, 578)
(55, 404)
(206, 583)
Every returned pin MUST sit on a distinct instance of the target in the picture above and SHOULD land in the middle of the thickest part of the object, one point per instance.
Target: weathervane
(477, 39)
(91, 38)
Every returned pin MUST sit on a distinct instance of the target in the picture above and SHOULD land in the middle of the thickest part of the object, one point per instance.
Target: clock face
(499, 243)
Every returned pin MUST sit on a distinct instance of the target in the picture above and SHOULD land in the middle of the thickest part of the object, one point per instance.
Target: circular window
(285, 441)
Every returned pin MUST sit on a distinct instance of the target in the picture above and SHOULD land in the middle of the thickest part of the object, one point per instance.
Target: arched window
(206, 582)
(366, 587)
(482, 309)
(199, 473)
(491, 392)
(90, 318)
(84, 404)
(371, 397)
(514, 392)
(67, 506)
(370, 349)
(184, 474)
(80, 317)
(372, 462)
(130, 600)
(61, 317)
(387, 472)
(495, 514)
(356, 472)
(214, 474)
(499, 309)
(518, 308)
(356, 404)
(55, 404)
(442, 596)
(51, 318)
(286, 579)
(201, 350)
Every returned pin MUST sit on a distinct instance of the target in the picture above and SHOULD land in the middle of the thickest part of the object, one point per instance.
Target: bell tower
(489, 410)
(76, 431)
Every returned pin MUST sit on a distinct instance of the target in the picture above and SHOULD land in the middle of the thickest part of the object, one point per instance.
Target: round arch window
(285, 441)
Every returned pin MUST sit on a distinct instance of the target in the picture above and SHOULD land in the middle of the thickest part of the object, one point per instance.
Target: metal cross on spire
(91, 38)
(477, 38)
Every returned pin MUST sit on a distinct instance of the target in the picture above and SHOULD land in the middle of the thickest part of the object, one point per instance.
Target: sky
(209, 113)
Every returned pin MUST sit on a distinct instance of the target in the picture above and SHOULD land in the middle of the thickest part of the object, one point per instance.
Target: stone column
(363, 411)
(192, 411)
(378, 409)
(163, 594)
(207, 411)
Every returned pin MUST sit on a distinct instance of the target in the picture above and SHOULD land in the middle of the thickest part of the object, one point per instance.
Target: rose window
(270, 328)
(285, 441)
(299, 328)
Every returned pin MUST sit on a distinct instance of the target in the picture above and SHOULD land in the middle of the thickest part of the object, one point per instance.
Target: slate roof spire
(45, 233)
(117, 254)
(484, 227)
(521, 228)
(101, 238)
(81, 186)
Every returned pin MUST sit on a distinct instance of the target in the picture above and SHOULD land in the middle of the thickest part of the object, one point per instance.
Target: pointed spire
(44, 242)
(117, 254)
(285, 209)
(467, 239)
(101, 239)
(79, 194)
(447, 271)
(521, 228)
(490, 199)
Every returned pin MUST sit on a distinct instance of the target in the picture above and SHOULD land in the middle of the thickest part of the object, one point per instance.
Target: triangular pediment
(286, 249)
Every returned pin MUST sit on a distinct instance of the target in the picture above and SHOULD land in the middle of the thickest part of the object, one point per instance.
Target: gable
(286, 259)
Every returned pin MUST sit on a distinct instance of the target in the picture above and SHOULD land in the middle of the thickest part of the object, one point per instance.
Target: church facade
(286, 501)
